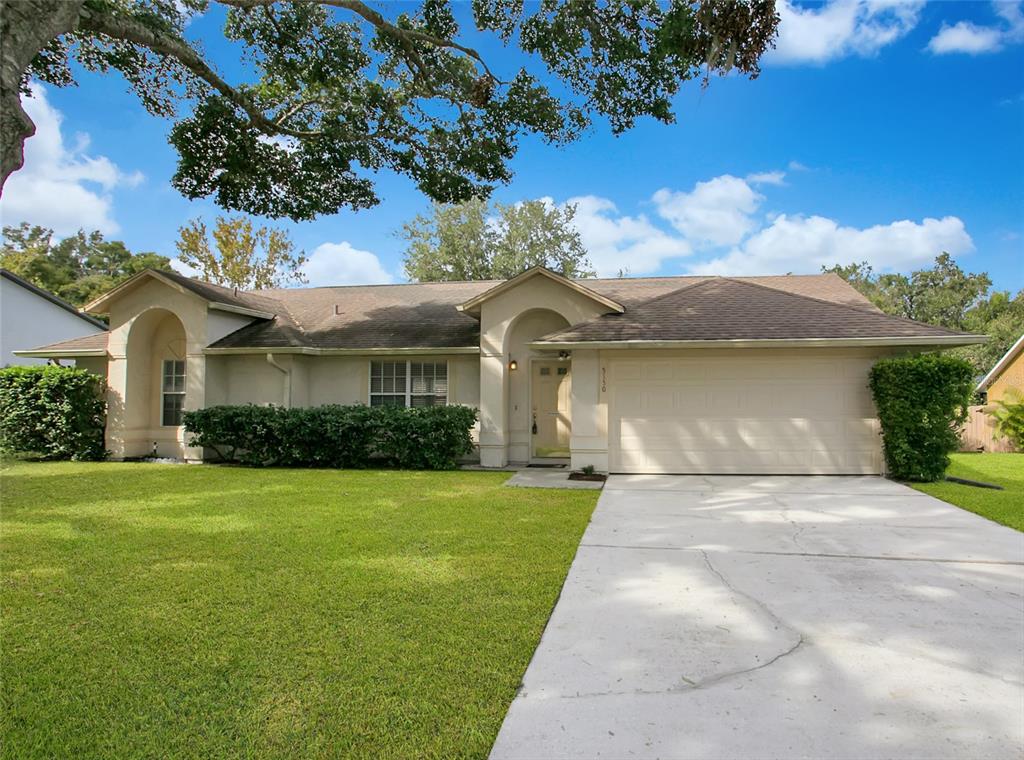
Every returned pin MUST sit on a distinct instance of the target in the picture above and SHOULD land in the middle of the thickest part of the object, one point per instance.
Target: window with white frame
(408, 383)
(173, 392)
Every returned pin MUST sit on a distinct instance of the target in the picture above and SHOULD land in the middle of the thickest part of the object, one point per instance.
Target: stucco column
(493, 411)
(117, 386)
(195, 394)
(588, 444)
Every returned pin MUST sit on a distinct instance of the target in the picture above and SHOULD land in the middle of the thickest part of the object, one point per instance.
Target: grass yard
(1007, 470)
(175, 611)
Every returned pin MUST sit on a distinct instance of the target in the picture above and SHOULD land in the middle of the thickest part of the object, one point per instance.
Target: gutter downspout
(287, 380)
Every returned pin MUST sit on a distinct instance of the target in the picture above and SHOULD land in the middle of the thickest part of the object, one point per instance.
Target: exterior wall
(29, 321)
(499, 343)
(319, 380)
(1011, 377)
(95, 364)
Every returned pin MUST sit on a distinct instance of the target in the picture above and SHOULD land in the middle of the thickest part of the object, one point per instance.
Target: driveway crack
(779, 622)
(798, 527)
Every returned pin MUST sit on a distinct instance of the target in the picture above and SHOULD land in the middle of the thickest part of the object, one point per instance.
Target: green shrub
(922, 403)
(426, 438)
(1009, 416)
(54, 412)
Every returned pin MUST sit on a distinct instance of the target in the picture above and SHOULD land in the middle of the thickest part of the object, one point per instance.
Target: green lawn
(175, 611)
(1007, 470)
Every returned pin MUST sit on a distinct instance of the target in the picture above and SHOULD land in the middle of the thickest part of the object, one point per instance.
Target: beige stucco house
(664, 374)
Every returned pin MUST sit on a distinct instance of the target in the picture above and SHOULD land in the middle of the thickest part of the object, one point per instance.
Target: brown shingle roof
(828, 287)
(733, 309)
(423, 315)
(94, 342)
(419, 315)
(245, 299)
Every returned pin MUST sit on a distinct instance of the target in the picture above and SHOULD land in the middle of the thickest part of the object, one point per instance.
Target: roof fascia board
(60, 353)
(477, 300)
(1000, 365)
(940, 340)
(309, 351)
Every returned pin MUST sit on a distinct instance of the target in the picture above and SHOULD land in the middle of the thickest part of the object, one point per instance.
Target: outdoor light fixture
(563, 355)
(513, 364)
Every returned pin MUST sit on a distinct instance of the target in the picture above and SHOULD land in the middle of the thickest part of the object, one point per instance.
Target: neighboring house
(1007, 373)
(979, 432)
(663, 374)
(31, 316)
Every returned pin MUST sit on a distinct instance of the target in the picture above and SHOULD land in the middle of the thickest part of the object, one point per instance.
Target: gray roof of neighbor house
(55, 300)
(733, 309)
(426, 315)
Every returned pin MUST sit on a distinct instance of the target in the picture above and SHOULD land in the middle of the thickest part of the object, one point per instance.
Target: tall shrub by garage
(53, 412)
(922, 403)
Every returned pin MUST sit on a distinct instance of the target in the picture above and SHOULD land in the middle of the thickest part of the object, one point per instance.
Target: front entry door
(550, 400)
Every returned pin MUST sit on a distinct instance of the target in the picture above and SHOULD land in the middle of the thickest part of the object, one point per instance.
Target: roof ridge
(846, 306)
(689, 286)
(373, 285)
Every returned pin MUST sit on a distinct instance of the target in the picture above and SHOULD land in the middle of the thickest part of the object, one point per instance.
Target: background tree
(479, 241)
(945, 295)
(77, 268)
(334, 91)
(242, 256)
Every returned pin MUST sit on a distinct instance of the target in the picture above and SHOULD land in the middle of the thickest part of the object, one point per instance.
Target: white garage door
(736, 415)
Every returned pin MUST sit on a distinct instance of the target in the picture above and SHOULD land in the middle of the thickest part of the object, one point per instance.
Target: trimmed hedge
(54, 412)
(421, 438)
(922, 403)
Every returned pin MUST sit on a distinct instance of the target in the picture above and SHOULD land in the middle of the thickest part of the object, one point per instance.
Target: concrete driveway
(779, 617)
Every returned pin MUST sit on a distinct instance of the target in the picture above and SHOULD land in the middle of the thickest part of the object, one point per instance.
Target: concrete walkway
(782, 617)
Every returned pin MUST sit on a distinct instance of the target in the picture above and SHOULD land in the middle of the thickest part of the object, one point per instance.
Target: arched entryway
(156, 384)
(538, 390)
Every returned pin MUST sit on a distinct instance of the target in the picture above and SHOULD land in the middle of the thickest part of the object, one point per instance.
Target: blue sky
(879, 132)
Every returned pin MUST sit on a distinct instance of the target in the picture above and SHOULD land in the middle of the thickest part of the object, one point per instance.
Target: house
(979, 431)
(662, 374)
(1007, 373)
(31, 316)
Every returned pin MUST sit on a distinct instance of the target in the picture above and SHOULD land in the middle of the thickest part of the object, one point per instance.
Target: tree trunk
(26, 27)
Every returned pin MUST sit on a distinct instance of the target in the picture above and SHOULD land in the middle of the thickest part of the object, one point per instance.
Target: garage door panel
(743, 416)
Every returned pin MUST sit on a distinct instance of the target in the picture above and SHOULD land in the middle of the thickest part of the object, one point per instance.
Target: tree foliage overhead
(78, 268)
(476, 240)
(336, 90)
(241, 256)
(945, 295)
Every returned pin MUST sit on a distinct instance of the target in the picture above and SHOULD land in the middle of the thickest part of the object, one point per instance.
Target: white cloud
(805, 244)
(841, 28)
(767, 178)
(341, 264)
(969, 38)
(965, 37)
(181, 267)
(716, 212)
(615, 242)
(796, 166)
(61, 186)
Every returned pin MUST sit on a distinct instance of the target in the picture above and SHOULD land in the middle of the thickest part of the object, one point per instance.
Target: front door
(550, 401)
